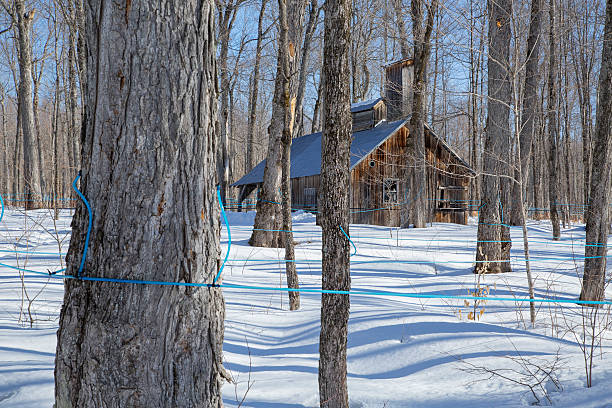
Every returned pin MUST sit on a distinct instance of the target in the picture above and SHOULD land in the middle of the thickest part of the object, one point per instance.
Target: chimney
(398, 88)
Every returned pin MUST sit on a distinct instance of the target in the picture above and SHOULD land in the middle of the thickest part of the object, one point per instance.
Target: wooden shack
(380, 163)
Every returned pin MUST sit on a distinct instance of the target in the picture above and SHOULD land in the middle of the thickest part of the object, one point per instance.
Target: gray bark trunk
(31, 175)
(493, 247)
(126, 345)
(597, 229)
(334, 208)
(289, 114)
(553, 129)
(422, 48)
(269, 212)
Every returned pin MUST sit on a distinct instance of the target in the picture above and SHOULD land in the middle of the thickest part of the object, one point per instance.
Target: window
(390, 189)
(310, 197)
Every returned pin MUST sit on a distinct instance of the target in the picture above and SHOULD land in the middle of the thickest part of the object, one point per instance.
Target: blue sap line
(229, 235)
(11, 251)
(413, 262)
(269, 288)
(354, 292)
(2, 204)
(89, 224)
(349, 238)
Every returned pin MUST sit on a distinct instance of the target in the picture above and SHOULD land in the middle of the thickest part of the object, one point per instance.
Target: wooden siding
(386, 162)
(398, 88)
(446, 190)
(298, 190)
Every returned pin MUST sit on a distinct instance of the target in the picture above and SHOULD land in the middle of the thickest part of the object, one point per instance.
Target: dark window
(390, 190)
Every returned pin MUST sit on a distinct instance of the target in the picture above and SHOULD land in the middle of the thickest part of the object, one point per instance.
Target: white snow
(402, 352)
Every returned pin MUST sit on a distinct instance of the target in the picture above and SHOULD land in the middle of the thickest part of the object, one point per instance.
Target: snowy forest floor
(402, 352)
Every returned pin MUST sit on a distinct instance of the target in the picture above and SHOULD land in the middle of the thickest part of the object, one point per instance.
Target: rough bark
(528, 108)
(269, 213)
(491, 252)
(335, 150)
(31, 170)
(597, 226)
(422, 49)
(553, 128)
(150, 100)
(250, 145)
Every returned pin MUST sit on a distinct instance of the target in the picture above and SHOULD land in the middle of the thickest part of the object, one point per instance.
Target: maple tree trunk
(493, 248)
(334, 208)
(598, 217)
(128, 345)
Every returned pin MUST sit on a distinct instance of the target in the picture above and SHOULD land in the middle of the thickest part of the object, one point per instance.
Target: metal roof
(365, 105)
(306, 151)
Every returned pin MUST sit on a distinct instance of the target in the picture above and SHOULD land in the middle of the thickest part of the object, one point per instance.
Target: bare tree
(268, 220)
(286, 53)
(598, 217)
(152, 345)
(492, 252)
(553, 128)
(335, 152)
(23, 20)
(422, 49)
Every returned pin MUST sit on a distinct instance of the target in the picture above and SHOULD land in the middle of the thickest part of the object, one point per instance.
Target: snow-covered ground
(402, 352)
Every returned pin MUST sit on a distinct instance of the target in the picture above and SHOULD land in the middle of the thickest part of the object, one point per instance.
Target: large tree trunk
(553, 129)
(32, 183)
(597, 227)
(493, 248)
(422, 48)
(528, 109)
(151, 101)
(334, 215)
(268, 220)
